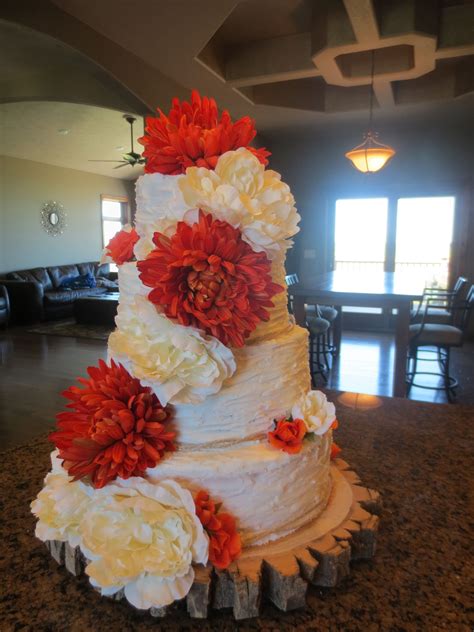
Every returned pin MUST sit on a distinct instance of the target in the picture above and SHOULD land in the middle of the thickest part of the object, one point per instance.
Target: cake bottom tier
(269, 492)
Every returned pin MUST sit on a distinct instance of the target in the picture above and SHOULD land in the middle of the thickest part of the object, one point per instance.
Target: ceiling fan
(131, 158)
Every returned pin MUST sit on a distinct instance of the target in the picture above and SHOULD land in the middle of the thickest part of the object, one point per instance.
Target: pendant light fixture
(370, 156)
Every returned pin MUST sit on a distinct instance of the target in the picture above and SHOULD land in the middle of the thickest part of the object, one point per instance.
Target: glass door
(360, 234)
(360, 246)
(423, 238)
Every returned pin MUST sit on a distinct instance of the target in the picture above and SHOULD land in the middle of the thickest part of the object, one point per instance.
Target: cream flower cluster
(240, 191)
(138, 536)
(315, 410)
(160, 206)
(60, 505)
(181, 364)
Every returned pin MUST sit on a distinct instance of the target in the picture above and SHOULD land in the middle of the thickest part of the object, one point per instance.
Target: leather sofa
(4, 307)
(36, 295)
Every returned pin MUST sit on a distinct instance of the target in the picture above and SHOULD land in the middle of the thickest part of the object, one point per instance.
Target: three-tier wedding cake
(201, 435)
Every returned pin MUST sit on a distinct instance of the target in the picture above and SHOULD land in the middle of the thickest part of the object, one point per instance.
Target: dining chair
(318, 328)
(441, 303)
(442, 336)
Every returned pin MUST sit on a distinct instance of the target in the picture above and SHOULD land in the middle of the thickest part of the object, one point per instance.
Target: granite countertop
(419, 456)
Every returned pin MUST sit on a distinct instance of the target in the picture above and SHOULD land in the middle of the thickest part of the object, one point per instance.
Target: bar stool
(330, 314)
(443, 300)
(318, 328)
(443, 337)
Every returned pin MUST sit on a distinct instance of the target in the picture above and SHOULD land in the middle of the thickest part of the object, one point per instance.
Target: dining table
(387, 290)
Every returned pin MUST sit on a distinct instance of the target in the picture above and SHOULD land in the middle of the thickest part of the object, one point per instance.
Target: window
(114, 216)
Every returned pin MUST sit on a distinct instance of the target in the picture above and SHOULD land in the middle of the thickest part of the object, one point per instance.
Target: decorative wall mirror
(53, 218)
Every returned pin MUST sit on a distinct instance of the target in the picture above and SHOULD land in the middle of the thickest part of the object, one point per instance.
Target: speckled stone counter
(419, 456)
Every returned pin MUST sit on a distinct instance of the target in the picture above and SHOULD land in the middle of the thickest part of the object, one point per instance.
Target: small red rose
(288, 435)
(120, 247)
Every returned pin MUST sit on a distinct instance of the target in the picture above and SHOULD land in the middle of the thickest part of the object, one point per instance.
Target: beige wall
(428, 162)
(24, 187)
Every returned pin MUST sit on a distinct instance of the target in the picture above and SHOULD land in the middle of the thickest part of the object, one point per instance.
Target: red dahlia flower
(115, 427)
(193, 135)
(207, 276)
(120, 247)
(225, 544)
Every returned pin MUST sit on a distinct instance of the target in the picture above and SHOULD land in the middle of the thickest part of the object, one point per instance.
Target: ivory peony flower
(244, 194)
(317, 413)
(60, 506)
(194, 134)
(206, 276)
(144, 538)
(180, 364)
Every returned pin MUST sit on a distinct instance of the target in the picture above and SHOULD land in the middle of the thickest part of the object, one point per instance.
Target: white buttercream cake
(223, 435)
(201, 436)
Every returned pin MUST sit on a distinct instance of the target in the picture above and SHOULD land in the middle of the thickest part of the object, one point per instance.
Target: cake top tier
(212, 228)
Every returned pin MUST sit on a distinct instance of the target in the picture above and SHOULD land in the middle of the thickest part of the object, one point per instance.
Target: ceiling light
(64, 131)
(370, 156)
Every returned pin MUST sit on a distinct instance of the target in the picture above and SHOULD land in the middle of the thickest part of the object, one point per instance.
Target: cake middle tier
(270, 377)
(269, 492)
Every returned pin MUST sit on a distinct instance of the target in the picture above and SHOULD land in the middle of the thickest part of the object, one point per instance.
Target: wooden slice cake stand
(280, 571)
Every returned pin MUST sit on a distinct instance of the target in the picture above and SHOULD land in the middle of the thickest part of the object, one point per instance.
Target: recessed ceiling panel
(316, 55)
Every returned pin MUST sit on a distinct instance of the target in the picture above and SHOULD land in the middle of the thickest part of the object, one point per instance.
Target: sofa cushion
(103, 269)
(89, 267)
(107, 283)
(36, 275)
(68, 296)
(59, 273)
(94, 267)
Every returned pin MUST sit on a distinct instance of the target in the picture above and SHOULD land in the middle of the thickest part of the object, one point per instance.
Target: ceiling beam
(270, 61)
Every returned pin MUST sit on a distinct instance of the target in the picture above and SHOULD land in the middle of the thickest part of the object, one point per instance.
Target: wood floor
(365, 365)
(35, 369)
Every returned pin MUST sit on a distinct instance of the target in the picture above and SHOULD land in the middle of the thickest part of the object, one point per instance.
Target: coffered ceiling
(295, 66)
(317, 54)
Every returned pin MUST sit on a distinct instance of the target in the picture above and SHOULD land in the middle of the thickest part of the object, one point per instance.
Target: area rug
(419, 456)
(71, 328)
